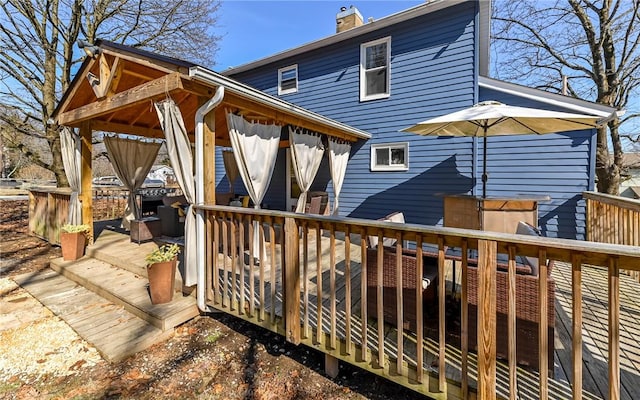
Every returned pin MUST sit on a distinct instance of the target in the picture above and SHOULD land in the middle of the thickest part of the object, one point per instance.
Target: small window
(375, 72)
(390, 157)
(288, 80)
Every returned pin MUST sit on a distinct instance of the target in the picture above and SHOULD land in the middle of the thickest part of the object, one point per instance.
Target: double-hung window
(288, 79)
(390, 157)
(375, 69)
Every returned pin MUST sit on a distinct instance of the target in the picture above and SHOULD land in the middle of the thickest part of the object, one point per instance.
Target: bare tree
(38, 52)
(594, 44)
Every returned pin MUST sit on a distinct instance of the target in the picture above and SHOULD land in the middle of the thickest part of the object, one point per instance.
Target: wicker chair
(409, 283)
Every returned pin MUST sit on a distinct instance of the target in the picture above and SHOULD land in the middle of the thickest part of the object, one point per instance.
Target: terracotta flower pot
(72, 245)
(161, 281)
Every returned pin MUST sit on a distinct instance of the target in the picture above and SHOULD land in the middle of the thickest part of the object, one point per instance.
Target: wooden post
(86, 187)
(543, 333)
(487, 319)
(614, 330)
(331, 366)
(291, 281)
(209, 157)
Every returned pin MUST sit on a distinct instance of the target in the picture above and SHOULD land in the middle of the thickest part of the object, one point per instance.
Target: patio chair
(398, 217)
(314, 205)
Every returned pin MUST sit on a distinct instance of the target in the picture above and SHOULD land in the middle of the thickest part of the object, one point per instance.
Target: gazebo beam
(233, 101)
(127, 98)
(129, 129)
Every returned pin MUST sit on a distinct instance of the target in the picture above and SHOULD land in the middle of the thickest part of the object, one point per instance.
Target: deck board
(595, 327)
(102, 326)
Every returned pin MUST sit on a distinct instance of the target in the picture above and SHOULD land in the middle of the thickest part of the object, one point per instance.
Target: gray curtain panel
(132, 160)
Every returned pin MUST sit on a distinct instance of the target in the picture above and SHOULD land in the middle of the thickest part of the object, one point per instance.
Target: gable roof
(429, 6)
(116, 89)
(570, 103)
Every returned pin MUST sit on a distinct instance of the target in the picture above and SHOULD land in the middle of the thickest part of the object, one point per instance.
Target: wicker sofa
(409, 282)
(527, 315)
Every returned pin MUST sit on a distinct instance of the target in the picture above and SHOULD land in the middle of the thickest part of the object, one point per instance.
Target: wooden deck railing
(613, 219)
(309, 283)
(49, 207)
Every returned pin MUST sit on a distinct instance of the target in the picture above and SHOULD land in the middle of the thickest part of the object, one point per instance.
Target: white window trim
(280, 71)
(363, 56)
(373, 156)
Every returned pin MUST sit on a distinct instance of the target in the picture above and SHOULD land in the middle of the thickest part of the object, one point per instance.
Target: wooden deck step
(115, 332)
(117, 249)
(128, 290)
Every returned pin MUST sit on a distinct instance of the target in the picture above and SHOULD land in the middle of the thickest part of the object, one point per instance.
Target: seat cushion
(387, 242)
(527, 229)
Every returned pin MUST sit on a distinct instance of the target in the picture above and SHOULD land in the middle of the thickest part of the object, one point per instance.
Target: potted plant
(161, 271)
(73, 240)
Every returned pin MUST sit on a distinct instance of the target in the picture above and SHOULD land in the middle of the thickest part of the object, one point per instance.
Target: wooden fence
(49, 207)
(310, 279)
(613, 219)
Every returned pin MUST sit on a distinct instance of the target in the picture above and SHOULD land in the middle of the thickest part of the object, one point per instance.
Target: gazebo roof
(115, 90)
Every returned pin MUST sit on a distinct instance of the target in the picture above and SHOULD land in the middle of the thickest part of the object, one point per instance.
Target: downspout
(200, 256)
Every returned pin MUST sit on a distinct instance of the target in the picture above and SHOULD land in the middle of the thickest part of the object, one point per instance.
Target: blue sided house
(385, 75)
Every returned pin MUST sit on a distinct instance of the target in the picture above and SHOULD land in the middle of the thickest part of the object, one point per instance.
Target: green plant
(70, 228)
(166, 252)
(79, 228)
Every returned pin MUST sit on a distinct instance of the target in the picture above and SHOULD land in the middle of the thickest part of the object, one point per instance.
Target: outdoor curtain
(71, 160)
(230, 167)
(338, 159)
(255, 148)
(306, 154)
(181, 158)
(132, 160)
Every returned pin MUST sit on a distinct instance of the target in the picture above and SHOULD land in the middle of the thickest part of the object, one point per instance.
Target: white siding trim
(284, 69)
(570, 103)
(363, 59)
(378, 168)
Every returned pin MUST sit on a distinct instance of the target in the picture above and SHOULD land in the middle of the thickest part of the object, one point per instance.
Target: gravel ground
(36, 342)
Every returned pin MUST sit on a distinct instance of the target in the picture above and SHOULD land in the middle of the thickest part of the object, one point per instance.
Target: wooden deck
(107, 305)
(595, 373)
(594, 330)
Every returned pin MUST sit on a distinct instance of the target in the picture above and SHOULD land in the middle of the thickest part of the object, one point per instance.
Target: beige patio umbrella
(492, 118)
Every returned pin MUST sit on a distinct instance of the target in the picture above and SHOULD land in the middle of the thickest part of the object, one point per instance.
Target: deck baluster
(614, 329)
(576, 284)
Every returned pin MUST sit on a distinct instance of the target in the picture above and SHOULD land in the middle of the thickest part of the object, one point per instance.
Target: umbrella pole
(484, 166)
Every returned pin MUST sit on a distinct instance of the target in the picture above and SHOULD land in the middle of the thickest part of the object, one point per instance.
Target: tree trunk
(608, 168)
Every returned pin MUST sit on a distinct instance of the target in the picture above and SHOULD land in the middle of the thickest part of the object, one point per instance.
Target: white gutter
(214, 79)
(586, 107)
(200, 252)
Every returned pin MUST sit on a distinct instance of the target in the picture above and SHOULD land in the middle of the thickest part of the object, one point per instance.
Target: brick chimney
(348, 18)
